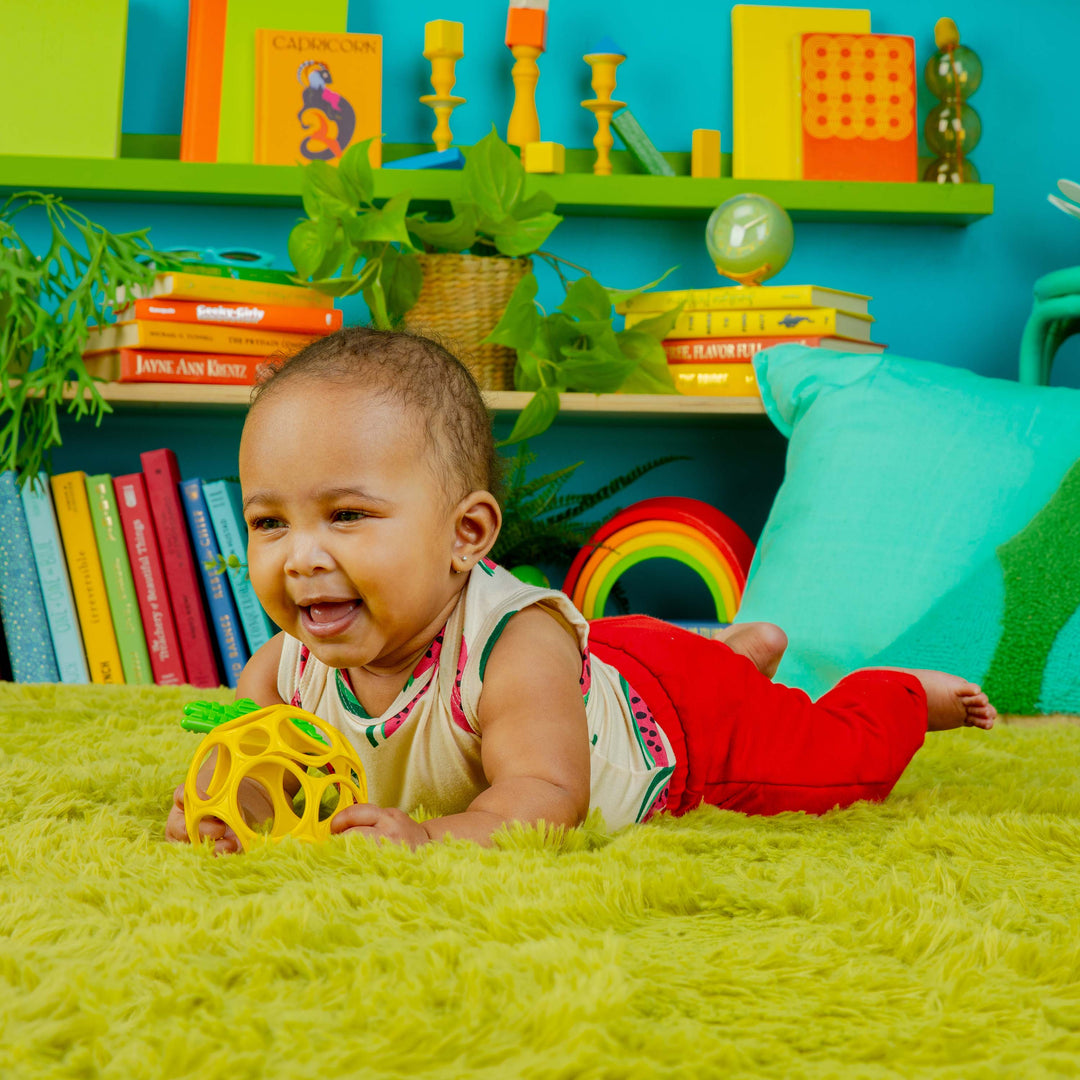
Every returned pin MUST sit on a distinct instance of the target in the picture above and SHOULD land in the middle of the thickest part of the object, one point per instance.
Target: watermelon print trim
(487, 566)
(646, 728)
(457, 713)
(490, 643)
(654, 802)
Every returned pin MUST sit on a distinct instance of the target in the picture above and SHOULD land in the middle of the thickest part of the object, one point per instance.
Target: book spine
(154, 366)
(150, 587)
(725, 350)
(162, 480)
(55, 583)
(641, 148)
(223, 613)
(786, 324)
(202, 82)
(195, 338)
(87, 579)
(119, 584)
(183, 286)
(22, 605)
(730, 298)
(222, 501)
(275, 317)
(716, 380)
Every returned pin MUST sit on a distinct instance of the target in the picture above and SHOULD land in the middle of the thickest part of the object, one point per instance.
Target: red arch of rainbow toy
(688, 530)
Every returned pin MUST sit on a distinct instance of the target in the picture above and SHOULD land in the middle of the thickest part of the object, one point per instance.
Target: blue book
(434, 159)
(22, 607)
(226, 515)
(223, 613)
(55, 582)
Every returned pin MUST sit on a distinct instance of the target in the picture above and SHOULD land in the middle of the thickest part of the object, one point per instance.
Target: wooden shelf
(627, 406)
(158, 178)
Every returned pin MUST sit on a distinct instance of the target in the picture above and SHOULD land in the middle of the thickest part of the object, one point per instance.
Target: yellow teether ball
(266, 747)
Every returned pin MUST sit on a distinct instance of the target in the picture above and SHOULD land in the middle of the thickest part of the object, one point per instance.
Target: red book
(294, 320)
(157, 617)
(742, 349)
(202, 81)
(163, 489)
(161, 366)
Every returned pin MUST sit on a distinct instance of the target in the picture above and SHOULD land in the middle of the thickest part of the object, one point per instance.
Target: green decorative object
(750, 238)
(953, 128)
(647, 158)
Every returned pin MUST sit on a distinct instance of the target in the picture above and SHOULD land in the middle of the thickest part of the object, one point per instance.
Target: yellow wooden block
(444, 38)
(544, 157)
(705, 153)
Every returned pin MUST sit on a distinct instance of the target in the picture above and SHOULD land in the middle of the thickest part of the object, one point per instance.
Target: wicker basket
(462, 298)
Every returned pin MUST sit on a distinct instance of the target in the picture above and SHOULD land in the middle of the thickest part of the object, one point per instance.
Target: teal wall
(958, 296)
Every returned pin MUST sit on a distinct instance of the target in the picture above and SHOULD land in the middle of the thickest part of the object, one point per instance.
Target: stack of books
(718, 331)
(126, 579)
(208, 324)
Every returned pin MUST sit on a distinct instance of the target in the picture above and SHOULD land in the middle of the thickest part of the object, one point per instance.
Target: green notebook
(63, 76)
(119, 584)
(236, 131)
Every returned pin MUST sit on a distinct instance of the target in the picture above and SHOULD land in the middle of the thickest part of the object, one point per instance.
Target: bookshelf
(149, 171)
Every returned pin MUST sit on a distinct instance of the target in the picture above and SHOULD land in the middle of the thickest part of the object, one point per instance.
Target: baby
(369, 470)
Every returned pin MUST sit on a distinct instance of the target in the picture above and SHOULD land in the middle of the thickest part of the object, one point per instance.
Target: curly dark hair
(424, 377)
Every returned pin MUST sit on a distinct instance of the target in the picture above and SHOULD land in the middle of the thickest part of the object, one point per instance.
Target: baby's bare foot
(763, 643)
(952, 702)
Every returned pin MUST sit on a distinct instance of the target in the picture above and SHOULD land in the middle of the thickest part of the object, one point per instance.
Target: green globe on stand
(750, 238)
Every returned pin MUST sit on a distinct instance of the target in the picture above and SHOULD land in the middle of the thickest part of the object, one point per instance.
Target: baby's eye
(349, 515)
(264, 524)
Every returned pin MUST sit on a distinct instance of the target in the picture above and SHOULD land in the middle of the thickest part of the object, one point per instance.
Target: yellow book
(181, 286)
(193, 337)
(764, 96)
(87, 579)
(752, 296)
(316, 95)
(795, 323)
(715, 380)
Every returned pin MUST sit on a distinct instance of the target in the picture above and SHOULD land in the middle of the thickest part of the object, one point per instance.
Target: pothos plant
(47, 303)
(347, 244)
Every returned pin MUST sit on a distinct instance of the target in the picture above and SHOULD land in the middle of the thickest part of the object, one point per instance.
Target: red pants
(743, 742)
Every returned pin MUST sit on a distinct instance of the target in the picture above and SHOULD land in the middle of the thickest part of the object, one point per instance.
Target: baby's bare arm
(535, 739)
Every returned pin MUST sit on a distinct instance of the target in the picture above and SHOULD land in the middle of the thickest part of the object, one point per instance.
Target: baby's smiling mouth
(325, 617)
(328, 611)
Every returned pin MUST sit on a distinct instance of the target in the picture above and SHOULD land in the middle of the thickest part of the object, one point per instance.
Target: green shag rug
(937, 934)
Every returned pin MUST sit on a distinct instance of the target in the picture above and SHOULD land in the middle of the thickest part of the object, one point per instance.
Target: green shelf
(150, 173)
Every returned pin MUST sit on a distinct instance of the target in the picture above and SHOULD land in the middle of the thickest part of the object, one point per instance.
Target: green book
(63, 77)
(239, 272)
(236, 129)
(119, 584)
(647, 157)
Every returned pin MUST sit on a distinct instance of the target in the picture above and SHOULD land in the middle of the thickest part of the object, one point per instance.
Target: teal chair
(1055, 315)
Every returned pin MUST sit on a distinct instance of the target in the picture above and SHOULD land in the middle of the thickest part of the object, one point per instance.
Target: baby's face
(350, 538)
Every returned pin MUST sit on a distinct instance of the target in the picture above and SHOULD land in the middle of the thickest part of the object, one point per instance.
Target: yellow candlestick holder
(524, 124)
(603, 83)
(444, 47)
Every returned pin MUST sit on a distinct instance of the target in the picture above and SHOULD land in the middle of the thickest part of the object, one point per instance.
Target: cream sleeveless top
(425, 749)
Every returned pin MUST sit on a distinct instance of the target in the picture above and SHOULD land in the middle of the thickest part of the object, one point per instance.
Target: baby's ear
(477, 520)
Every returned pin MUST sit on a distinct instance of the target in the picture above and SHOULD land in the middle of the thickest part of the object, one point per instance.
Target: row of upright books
(718, 332)
(127, 579)
(208, 324)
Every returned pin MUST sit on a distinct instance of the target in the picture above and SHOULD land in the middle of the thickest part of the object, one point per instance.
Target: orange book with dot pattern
(857, 107)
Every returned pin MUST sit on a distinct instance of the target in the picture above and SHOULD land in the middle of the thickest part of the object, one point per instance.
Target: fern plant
(541, 524)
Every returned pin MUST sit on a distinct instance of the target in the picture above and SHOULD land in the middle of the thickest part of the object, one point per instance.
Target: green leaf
(457, 234)
(493, 179)
(354, 169)
(659, 326)
(534, 206)
(621, 296)
(651, 374)
(386, 225)
(527, 371)
(323, 192)
(335, 286)
(513, 237)
(536, 417)
(402, 281)
(305, 248)
(586, 298)
(595, 370)
(520, 320)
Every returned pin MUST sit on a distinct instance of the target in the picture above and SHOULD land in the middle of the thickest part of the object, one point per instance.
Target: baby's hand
(225, 840)
(378, 823)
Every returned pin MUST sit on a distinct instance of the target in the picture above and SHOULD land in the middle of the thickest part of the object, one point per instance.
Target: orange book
(315, 95)
(720, 350)
(857, 110)
(296, 320)
(202, 82)
(159, 366)
(193, 338)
